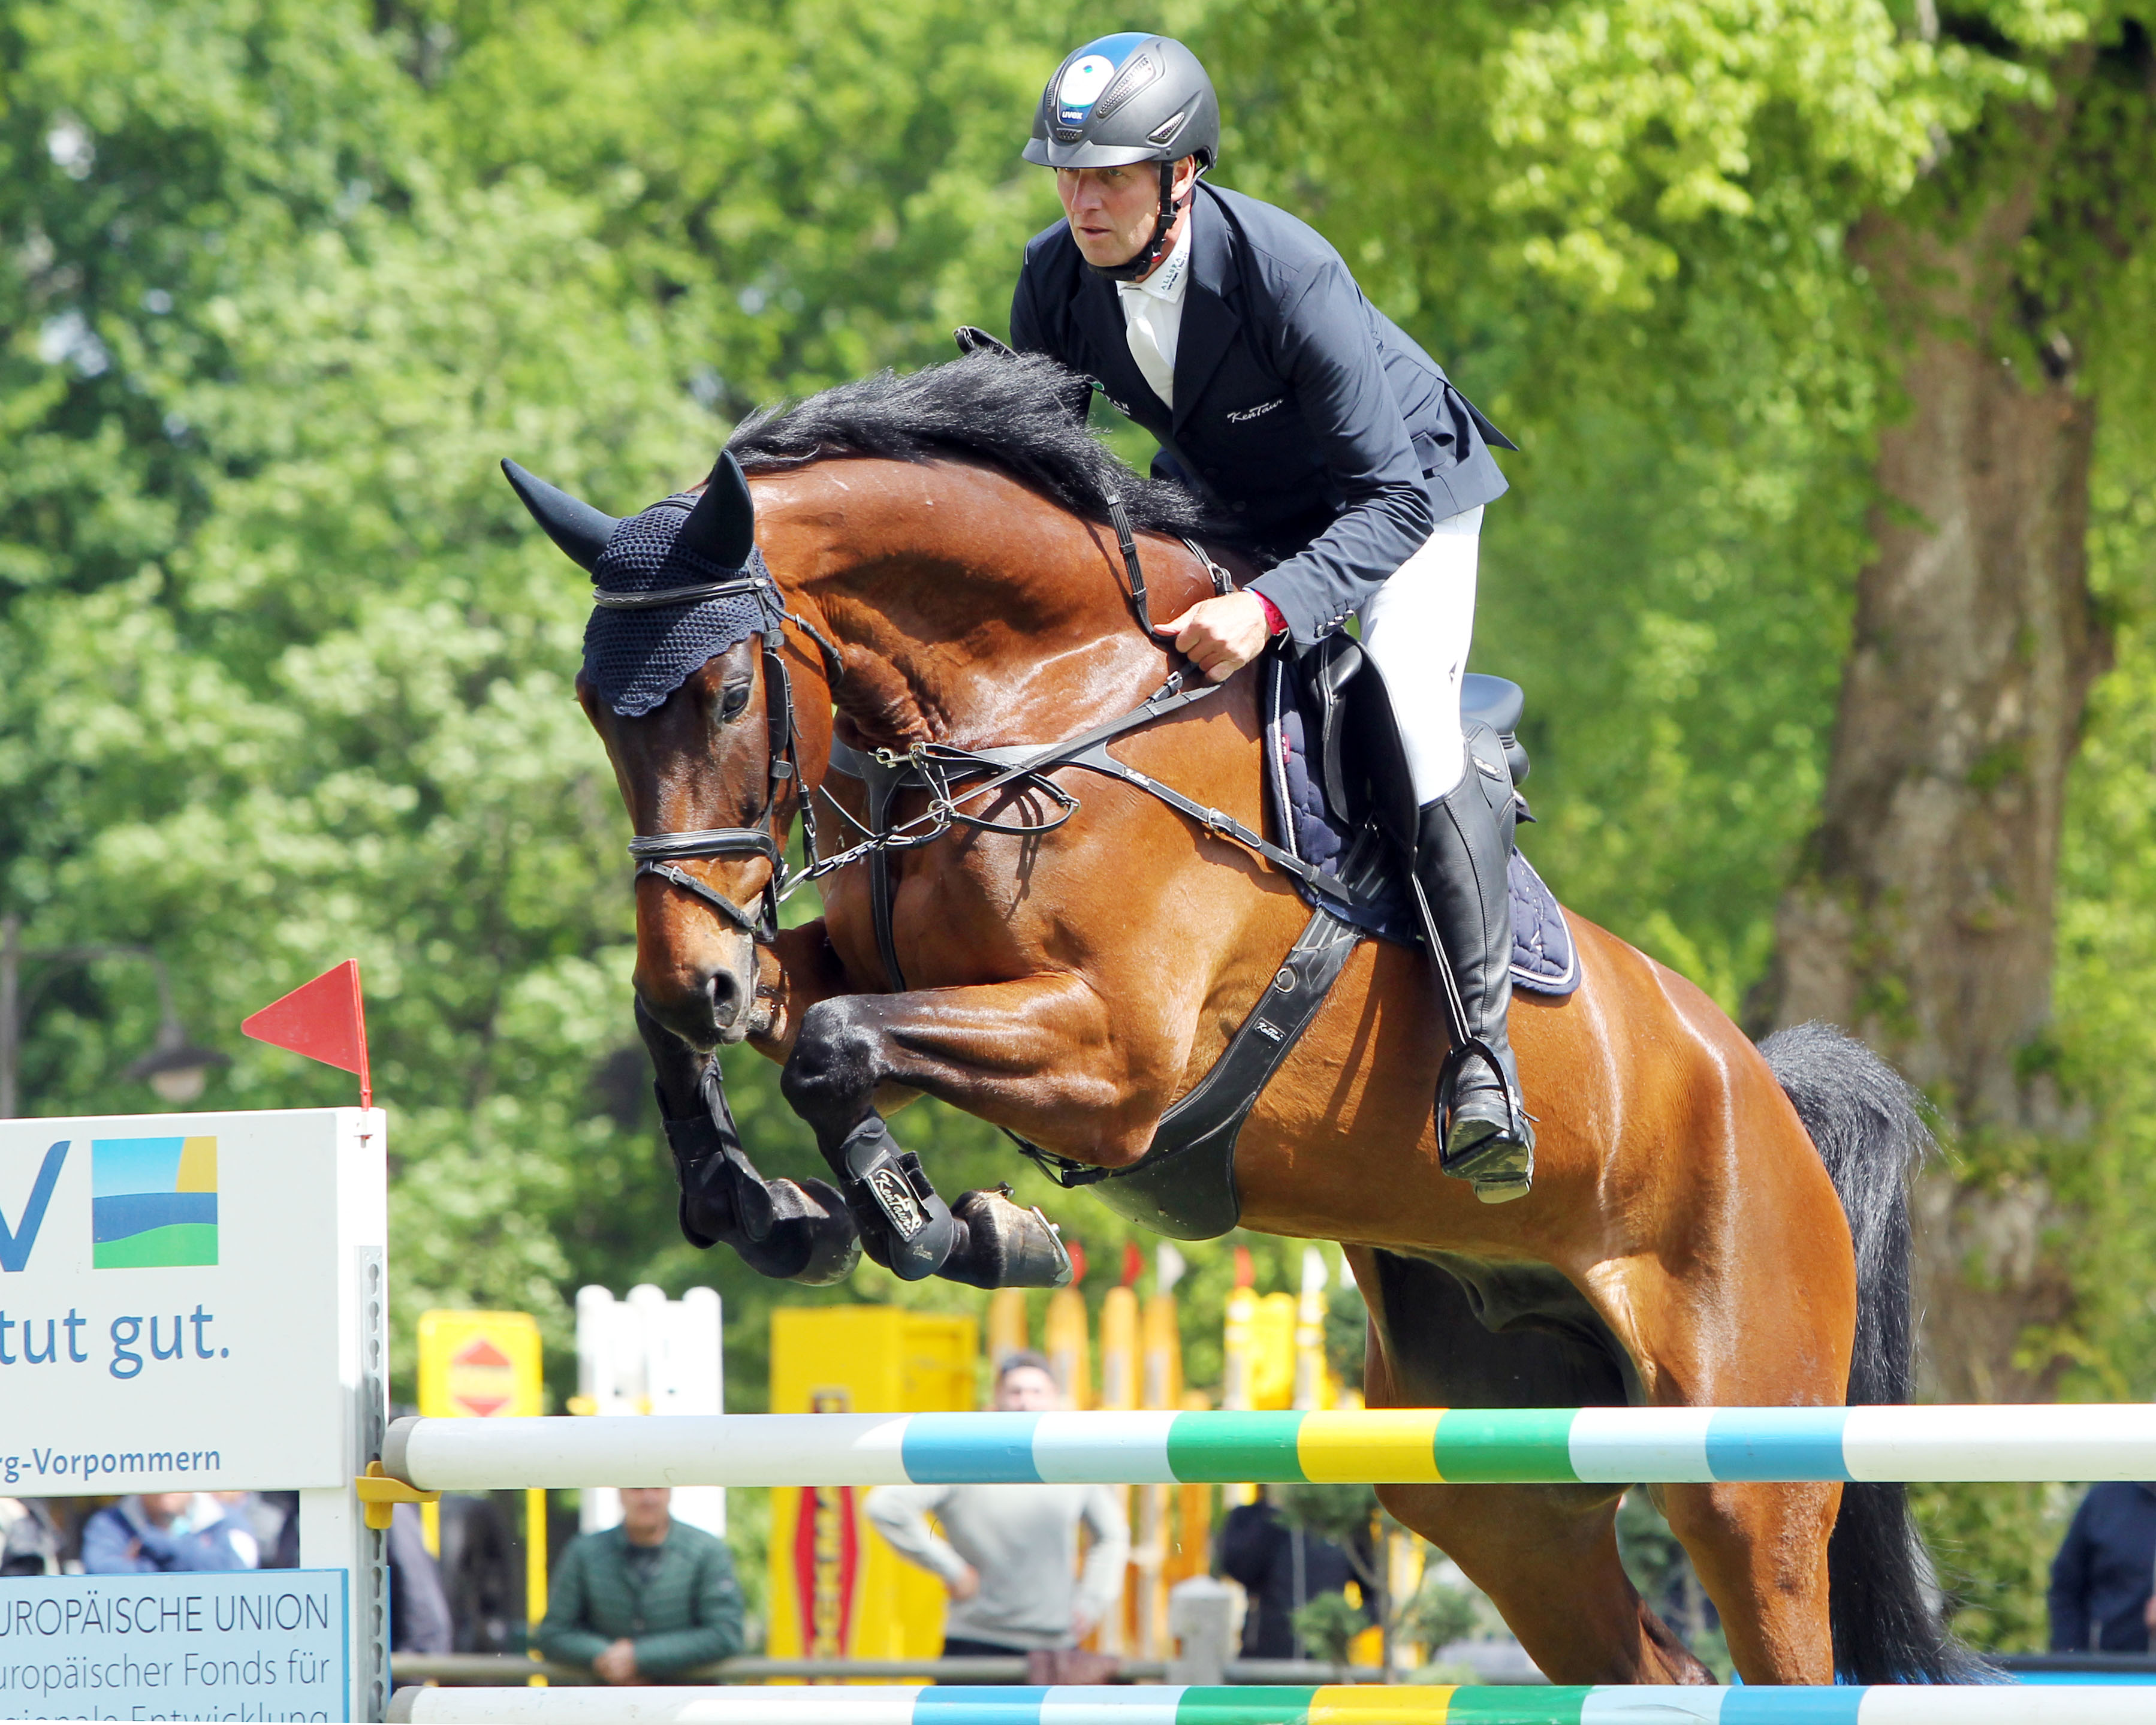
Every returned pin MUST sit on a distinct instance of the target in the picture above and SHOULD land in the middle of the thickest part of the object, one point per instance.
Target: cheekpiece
(636, 657)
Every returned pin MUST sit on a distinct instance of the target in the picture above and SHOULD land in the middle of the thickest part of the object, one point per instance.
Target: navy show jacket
(1299, 407)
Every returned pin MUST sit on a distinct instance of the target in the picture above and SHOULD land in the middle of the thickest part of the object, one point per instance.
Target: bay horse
(1711, 1222)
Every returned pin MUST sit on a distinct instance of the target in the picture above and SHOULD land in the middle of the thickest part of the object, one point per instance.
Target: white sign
(269, 1644)
(648, 1354)
(171, 1292)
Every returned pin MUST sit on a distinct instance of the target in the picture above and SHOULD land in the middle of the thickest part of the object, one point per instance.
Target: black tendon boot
(790, 1231)
(904, 1225)
(1463, 849)
(983, 1240)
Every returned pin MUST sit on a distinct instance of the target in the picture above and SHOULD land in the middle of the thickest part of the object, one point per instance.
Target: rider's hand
(1221, 635)
(966, 1584)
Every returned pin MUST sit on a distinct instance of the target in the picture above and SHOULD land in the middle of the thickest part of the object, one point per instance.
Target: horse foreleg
(1033, 1054)
(789, 1230)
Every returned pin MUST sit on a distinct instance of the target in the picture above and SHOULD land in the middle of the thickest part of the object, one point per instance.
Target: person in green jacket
(645, 1600)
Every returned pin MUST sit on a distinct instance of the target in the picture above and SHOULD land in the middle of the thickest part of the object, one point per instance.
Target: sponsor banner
(246, 1644)
(170, 1292)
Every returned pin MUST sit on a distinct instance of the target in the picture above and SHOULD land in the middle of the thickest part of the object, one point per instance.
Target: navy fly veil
(636, 655)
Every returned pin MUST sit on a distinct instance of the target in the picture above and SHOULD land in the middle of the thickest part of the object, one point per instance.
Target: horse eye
(731, 699)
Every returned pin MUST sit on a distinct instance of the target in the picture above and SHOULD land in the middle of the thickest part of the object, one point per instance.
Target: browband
(613, 601)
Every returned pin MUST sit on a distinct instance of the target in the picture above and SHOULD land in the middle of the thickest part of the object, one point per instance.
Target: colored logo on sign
(152, 1202)
(482, 1380)
(15, 1243)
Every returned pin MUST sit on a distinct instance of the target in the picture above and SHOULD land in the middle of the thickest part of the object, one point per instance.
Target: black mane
(1014, 412)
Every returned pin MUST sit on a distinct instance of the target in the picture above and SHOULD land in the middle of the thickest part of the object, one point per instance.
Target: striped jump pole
(1528, 1446)
(1374, 1704)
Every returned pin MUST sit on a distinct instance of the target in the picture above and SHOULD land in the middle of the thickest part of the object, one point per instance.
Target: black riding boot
(1463, 849)
(792, 1231)
(983, 1240)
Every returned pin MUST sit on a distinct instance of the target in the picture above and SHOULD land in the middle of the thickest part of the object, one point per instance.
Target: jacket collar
(1210, 321)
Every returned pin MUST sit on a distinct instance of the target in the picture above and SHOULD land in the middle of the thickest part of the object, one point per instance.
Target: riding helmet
(1126, 98)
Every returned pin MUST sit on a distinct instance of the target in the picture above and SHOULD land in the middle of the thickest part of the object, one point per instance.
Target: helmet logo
(1083, 79)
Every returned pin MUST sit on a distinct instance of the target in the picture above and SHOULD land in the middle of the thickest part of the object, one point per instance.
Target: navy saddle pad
(1544, 959)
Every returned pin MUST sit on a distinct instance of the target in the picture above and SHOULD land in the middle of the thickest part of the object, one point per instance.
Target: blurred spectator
(277, 1525)
(418, 1609)
(645, 1601)
(1281, 1569)
(2103, 1576)
(158, 1532)
(482, 1570)
(30, 1539)
(1009, 1553)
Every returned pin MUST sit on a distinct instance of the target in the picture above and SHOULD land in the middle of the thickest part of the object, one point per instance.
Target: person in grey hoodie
(1009, 1554)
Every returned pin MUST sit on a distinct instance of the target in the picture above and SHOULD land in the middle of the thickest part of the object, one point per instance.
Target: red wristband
(1275, 622)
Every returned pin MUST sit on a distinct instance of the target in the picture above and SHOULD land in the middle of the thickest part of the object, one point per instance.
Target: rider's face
(1111, 209)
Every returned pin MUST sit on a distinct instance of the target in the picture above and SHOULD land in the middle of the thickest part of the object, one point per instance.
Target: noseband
(659, 853)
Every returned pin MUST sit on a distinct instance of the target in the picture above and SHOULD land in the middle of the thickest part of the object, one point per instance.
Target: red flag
(324, 1020)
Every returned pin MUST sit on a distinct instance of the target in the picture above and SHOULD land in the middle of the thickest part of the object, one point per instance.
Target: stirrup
(1500, 1164)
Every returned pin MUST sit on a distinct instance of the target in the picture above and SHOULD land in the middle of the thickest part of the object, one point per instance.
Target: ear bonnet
(671, 587)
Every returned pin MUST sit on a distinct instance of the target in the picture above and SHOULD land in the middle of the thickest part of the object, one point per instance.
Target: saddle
(1334, 766)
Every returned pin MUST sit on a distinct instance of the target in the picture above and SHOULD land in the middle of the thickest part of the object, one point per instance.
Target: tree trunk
(1923, 918)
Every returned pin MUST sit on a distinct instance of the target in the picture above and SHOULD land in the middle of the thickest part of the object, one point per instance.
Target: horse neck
(967, 608)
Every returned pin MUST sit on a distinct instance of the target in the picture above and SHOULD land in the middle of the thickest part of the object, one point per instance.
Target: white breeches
(1418, 626)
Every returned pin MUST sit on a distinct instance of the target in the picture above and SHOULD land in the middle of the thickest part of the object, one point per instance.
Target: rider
(1235, 335)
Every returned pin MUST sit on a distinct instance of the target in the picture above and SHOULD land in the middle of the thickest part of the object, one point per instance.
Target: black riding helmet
(1126, 98)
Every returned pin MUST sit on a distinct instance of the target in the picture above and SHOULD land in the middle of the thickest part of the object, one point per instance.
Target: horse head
(681, 679)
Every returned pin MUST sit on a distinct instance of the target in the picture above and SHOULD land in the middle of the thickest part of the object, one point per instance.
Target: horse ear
(722, 526)
(581, 531)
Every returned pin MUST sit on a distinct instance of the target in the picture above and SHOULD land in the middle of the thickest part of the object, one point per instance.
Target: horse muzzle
(707, 1006)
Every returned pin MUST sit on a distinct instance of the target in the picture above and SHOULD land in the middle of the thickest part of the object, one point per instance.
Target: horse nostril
(726, 995)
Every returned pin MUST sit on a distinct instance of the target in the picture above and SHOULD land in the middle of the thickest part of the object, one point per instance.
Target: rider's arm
(1323, 345)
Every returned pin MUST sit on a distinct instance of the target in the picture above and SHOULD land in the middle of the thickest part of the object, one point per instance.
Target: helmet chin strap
(1163, 229)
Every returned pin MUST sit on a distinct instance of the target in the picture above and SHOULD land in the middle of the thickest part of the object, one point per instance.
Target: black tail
(1869, 1128)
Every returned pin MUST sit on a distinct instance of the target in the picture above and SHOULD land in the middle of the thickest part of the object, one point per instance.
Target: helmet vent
(1141, 70)
(1168, 128)
(1068, 134)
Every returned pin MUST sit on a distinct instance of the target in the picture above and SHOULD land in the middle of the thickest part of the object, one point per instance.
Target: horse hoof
(1002, 1245)
(823, 1244)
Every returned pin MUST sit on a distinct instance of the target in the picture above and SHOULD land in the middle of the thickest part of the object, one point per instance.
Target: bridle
(659, 854)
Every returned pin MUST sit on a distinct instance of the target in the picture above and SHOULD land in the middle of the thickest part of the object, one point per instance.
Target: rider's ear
(722, 526)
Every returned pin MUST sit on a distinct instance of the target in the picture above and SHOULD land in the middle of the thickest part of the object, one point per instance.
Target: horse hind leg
(789, 1230)
(1761, 1553)
(1546, 1555)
